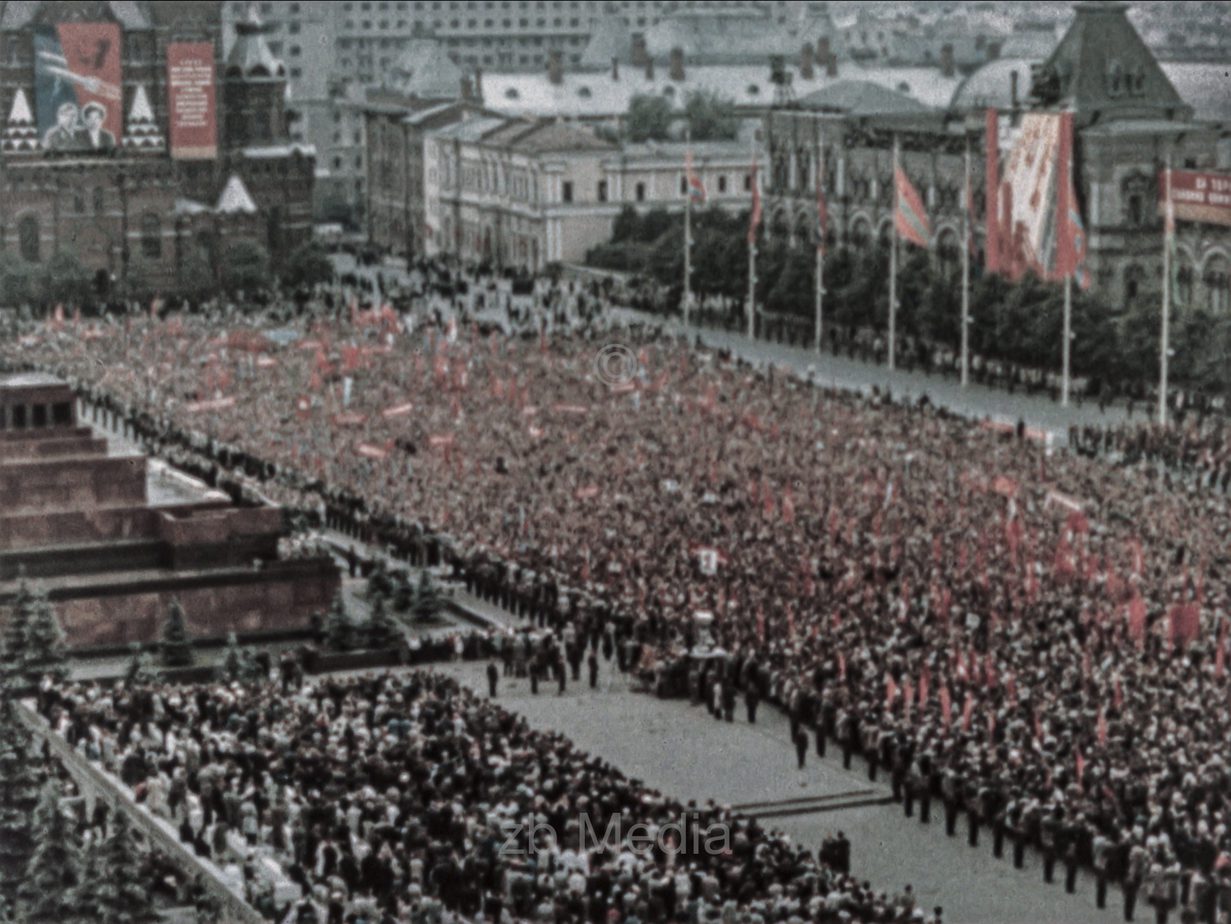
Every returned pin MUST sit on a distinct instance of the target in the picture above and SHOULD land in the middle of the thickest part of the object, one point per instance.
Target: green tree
(18, 796)
(121, 894)
(339, 629)
(711, 117)
(648, 119)
(17, 280)
(196, 278)
(83, 899)
(245, 265)
(176, 646)
(46, 652)
(380, 583)
(140, 671)
(382, 630)
(17, 631)
(64, 279)
(307, 266)
(428, 599)
(54, 869)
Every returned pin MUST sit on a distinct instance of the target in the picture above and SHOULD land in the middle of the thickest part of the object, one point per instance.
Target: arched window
(1184, 286)
(861, 231)
(1217, 296)
(1133, 278)
(151, 236)
(28, 238)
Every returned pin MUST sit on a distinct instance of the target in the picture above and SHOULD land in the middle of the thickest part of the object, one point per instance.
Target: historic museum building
(130, 143)
(1128, 119)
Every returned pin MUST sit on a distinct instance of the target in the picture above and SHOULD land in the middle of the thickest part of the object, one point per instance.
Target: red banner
(1204, 197)
(190, 94)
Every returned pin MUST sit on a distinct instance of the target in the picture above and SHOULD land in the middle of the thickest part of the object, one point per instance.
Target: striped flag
(910, 217)
(754, 221)
(696, 188)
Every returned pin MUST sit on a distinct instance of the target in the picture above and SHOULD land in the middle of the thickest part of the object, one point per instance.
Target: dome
(991, 86)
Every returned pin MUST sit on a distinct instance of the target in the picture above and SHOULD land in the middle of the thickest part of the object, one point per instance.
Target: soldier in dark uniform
(728, 699)
(493, 675)
(1050, 835)
(592, 663)
(752, 698)
(949, 785)
(801, 747)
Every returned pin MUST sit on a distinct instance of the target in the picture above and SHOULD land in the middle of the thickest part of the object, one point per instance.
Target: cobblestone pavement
(680, 750)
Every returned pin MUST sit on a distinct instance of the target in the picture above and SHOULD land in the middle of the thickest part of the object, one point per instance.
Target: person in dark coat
(801, 747)
(592, 663)
(493, 676)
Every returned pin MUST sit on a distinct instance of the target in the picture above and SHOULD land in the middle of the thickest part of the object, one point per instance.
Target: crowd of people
(1036, 637)
(408, 798)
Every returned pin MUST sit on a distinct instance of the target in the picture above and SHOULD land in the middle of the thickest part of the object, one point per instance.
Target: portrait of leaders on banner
(78, 87)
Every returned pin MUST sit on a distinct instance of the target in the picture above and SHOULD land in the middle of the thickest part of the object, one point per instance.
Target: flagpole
(966, 271)
(820, 251)
(687, 224)
(1165, 346)
(1068, 336)
(1066, 347)
(752, 253)
(893, 260)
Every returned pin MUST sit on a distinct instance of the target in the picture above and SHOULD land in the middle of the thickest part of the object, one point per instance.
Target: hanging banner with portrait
(78, 87)
(190, 100)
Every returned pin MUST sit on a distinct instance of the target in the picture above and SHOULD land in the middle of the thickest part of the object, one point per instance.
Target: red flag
(1038, 727)
(761, 625)
(908, 699)
(1081, 767)
(841, 666)
(1185, 620)
(910, 218)
(788, 507)
(891, 692)
(754, 222)
(968, 711)
(1137, 620)
(1118, 693)
(946, 706)
(925, 681)
(696, 188)
(1101, 728)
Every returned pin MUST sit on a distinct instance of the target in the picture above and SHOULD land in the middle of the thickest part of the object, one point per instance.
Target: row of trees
(1018, 322)
(48, 873)
(710, 117)
(244, 266)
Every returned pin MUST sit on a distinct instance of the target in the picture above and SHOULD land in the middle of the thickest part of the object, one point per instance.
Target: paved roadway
(681, 751)
(976, 401)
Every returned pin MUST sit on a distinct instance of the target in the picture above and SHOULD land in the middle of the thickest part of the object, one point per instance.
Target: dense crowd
(411, 799)
(1034, 636)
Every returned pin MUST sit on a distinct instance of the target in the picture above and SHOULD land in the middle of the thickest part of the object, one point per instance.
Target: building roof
(545, 136)
(425, 70)
(1102, 68)
(250, 56)
(861, 98)
(610, 39)
(30, 380)
(1206, 88)
(235, 198)
(597, 95)
(991, 85)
